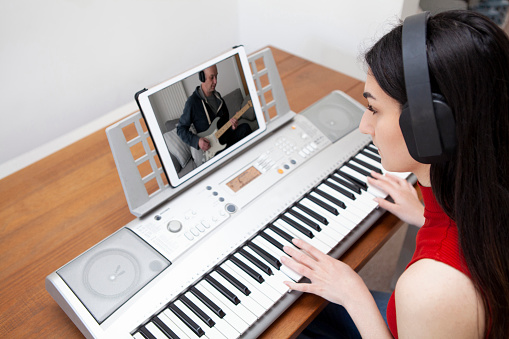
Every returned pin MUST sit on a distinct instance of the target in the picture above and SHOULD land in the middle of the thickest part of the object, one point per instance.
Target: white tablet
(202, 115)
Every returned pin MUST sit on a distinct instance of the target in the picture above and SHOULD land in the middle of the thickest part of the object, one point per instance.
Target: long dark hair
(468, 58)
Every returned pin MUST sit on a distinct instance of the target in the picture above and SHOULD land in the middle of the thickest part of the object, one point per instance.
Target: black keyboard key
(265, 255)
(255, 261)
(357, 169)
(372, 149)
(224, 291)
(305, 220)
(363, 185)
(347, 184)
(329, 197)
(372, 156)
(298, 227)
(340, 189)
(186, 320)
(252, 273)
(281, 233)
(210, 304)
(164, 328)
(313, 214)
(369, 166)
(323, 204)
(232, 280)
(272, 241)
(196, 310)
(146, 333)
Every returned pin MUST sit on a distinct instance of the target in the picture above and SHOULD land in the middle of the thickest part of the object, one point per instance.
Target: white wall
(70, 67)
(332, 33)
(66, 63)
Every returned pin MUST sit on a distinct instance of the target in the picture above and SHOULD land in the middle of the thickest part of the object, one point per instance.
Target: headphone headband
(418, 86)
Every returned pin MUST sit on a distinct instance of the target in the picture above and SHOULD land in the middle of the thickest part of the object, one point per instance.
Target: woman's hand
(406, 204)
(330, 278)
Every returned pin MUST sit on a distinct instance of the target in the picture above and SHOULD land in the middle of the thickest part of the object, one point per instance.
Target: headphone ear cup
(446, 125)
(201, 76)
(405, 123)
(446, 128)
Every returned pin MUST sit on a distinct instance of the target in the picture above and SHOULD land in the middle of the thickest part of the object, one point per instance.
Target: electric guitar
(212, 134)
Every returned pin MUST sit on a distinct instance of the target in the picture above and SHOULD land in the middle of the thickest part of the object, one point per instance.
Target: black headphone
(426, 121)
(201, 76)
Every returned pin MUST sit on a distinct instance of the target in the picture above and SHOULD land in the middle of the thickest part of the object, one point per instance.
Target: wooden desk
(57, 208)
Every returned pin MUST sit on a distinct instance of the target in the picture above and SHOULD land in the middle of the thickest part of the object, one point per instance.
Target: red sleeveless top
(437, 240)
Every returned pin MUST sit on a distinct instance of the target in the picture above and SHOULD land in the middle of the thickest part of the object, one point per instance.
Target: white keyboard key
(180, 324)
(248, 302)
(278, 254)
(210, 332)
(156, 332)
(316, 241)
(326, 235)
(240, 310)
(264, 287)
(164, 318)
(230, 316)
(276, 279)
(255, 288)
(221, 324)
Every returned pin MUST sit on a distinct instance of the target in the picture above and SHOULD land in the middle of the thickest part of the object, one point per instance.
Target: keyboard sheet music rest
(207, 263)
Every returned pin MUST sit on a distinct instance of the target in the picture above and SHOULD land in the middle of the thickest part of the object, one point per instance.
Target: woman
(457, 284)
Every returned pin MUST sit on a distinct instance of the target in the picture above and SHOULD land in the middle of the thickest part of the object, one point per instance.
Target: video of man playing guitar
(212, 134)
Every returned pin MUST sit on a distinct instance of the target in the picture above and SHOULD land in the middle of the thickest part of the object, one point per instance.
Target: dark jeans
(335, 322)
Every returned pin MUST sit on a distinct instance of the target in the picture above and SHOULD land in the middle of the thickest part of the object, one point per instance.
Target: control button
(200, 228)
(302, 154)
(157, 217)
(309, 148)
(231, 208)
(293, 162)
(174, 226)
(215, 193)
(313, 145)
(221, 199)
(209, 188)
(280, 171)
(195, 231)
(205, 223)
(189, 236)
(305, 150)
(286, 166)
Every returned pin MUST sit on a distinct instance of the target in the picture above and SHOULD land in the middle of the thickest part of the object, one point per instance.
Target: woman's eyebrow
(368, 95)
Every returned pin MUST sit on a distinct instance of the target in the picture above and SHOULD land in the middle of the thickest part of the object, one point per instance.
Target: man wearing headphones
(202, 107)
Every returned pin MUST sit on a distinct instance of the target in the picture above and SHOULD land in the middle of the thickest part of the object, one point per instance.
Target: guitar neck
(228, 124)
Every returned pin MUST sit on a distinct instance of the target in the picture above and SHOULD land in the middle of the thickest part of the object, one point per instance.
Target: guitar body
(210, 135)
(213, 134)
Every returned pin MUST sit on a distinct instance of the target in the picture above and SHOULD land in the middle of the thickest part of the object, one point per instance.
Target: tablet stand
(143, 179)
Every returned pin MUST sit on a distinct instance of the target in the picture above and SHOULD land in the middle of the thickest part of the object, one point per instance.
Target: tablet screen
(203, 115)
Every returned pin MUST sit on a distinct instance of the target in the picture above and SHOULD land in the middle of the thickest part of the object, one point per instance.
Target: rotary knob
(174, 226)
(231, 208)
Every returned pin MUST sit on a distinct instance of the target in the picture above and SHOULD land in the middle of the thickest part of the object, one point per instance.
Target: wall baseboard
(11, 166)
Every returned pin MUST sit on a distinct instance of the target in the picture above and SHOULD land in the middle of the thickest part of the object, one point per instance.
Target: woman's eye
(370, 108)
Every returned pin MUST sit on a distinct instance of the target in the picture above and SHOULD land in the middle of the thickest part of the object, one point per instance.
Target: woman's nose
(366, 125)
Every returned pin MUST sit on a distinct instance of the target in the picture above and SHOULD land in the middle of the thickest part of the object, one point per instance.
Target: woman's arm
(338, 283)
(434, 300)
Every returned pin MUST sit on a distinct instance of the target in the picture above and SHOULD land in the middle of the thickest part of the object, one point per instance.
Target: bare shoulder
(434, 300)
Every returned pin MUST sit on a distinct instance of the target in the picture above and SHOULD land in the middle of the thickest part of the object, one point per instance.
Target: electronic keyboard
(206, 264)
